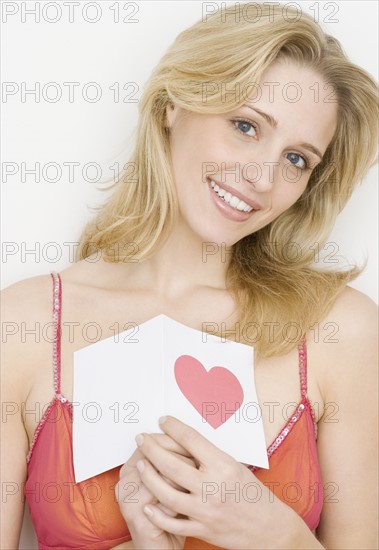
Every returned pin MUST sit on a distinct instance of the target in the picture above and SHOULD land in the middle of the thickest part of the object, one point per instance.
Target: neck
(184, 262)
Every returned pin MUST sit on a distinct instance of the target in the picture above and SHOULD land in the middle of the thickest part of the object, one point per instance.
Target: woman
(257, 176)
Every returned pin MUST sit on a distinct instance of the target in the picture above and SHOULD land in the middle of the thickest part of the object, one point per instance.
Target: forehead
(299, 99)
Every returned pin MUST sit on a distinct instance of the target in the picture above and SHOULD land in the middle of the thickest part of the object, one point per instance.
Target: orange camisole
(86, 515)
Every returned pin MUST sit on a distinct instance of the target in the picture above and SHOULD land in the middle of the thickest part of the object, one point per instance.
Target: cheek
(185, 152)
(285, 195)
(196, 154)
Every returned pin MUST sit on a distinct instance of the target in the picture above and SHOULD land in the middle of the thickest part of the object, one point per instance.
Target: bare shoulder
(26, 298)
(31, 298)
(347, 441)
(346, 347)
(26, 312)
(352, 302)
(356, 318)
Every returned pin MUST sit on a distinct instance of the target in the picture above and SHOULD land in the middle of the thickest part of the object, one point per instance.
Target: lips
(238, 194)
(226, 209)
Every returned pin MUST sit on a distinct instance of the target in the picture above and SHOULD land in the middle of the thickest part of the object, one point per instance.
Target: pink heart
(216, 394)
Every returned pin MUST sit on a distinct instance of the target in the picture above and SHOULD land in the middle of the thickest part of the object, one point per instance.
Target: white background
(106, 52)
(109, 52)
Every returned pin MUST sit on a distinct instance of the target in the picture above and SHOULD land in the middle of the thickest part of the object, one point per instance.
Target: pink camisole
(86, 515)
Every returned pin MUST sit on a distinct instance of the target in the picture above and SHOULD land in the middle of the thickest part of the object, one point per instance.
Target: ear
(171, 113)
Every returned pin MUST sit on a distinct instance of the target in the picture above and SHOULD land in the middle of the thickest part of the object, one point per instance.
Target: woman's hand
(132, 496)
(225, 504)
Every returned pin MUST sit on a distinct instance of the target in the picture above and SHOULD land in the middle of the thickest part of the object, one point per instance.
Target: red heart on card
(216, 394)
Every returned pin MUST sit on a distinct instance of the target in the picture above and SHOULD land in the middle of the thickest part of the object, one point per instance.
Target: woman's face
(247, 158)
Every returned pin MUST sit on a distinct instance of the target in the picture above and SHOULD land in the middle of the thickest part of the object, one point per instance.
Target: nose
(260, 174)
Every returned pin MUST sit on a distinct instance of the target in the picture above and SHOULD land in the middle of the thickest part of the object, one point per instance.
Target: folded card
(124, 383)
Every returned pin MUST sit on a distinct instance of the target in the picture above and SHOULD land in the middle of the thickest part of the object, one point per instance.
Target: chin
(216, 238)
(211, 231)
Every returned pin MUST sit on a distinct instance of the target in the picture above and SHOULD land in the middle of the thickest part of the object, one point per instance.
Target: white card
(123, 384)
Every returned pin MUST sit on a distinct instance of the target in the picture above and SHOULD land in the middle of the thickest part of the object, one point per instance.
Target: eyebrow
(274, 123)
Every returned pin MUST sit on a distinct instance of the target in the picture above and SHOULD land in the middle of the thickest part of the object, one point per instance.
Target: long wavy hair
(272, 287)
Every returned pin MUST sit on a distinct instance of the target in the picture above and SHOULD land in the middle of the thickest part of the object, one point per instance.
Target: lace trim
(42, 423)
(57, 311)
(302, 349)
(57, 295)
(57, 308)
(283, 433)
(303, 367)
(304, 378)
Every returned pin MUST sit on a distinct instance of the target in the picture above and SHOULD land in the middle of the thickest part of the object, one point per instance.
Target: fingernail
(139, 439)
(140, 466)
(162, 419)
(148, 511)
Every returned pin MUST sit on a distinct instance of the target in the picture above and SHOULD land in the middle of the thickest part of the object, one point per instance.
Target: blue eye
(244, 126)
(296, 158)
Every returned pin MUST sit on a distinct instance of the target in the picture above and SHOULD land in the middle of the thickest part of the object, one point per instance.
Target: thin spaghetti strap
(57, 309)
(302, 348)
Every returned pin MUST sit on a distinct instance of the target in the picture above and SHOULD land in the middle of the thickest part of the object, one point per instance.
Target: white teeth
(233, 201)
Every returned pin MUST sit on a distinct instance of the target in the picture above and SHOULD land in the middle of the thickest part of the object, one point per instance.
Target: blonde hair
(270, 287)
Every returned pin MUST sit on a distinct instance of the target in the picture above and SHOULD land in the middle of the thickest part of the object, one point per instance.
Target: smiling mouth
(230, 199)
